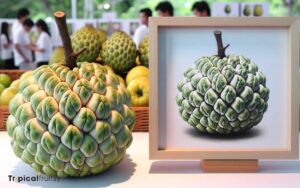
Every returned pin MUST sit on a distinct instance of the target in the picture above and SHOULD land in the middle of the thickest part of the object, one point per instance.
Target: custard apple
(144, 52)
(86, 37)
(119, 52)
(223, 95)
(71, 122)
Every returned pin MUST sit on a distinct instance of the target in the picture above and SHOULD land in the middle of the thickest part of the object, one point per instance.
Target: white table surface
(137, 171)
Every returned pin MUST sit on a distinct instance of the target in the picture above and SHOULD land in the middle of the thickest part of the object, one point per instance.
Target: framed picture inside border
(176, 47)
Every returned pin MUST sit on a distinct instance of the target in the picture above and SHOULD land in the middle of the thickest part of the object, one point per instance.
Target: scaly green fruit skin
(144, 52)
(86, 37)
(119, 52)
(223, 96)
(247, 10)
(71, 122)
(58, 56)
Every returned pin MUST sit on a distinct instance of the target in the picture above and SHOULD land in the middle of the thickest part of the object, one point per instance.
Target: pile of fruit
(9, 88)
(118, 53)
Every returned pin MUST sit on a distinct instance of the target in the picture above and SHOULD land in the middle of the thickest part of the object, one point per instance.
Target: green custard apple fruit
(247, 10)
(223, 95)
(227, 9)
(71, 122)
(119, 52)
(144, 52)
(5, 80)
(258, 10)
(87, 37)
(58, 56)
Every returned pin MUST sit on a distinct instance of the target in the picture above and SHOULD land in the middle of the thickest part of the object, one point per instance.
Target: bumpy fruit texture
(87, 37)
(71, 122)
(144, 52)
(58, 56)
(223, 96)
(119, 52)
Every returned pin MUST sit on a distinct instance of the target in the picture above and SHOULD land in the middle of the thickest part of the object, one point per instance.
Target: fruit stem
(221, 48)
(60, 19)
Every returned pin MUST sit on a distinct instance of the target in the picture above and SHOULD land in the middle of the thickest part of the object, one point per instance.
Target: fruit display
(88, 37)
(57, 56)
(119, 52)
(70, 120)
(223, 94)
(144, 52)
(138, 85)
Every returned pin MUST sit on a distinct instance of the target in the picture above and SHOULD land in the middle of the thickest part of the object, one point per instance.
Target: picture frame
(157, 130)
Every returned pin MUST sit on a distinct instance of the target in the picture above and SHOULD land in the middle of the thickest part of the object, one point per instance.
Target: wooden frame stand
(229, 165)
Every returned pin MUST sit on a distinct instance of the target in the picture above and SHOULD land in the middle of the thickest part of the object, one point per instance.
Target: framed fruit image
(223, 88)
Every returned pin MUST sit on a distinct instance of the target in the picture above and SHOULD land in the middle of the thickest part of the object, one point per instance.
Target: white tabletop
(136, 170)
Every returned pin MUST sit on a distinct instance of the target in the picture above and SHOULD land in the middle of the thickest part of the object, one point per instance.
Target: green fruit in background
(227, 9)
(144, 52)
(71, 122)
(58, 56)
(223, 95)
(119, 52)
(1, 88)
(7, 94)
(247, 10)
(86, 37)
(5, 80)
(258, 10)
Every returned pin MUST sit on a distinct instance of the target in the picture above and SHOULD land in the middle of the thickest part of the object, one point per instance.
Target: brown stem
(61, 22)
(221, 48)
(76, 54)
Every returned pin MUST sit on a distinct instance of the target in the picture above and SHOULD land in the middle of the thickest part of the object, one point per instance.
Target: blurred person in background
(6, 47)
(164, 9)
(22, 15)
(201, 9)
(43, 47)
(23, 56)
(142, 30)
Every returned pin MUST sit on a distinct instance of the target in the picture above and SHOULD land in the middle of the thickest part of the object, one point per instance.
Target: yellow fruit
(1, 88)
(7, 95)
(137, 72)
(15, 84)
(139, 91)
